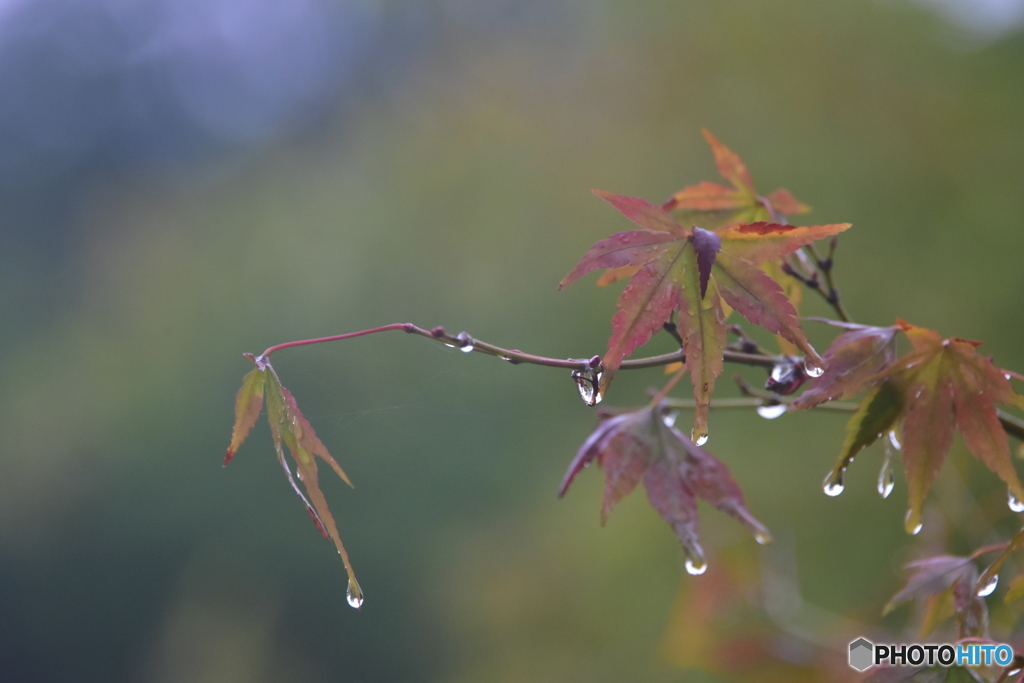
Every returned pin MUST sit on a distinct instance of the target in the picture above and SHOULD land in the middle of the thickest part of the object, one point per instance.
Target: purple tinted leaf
(852, 362)
(929, 576)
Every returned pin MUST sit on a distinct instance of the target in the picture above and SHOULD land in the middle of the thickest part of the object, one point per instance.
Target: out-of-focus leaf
(939, 386)
(692, 271)
(710, 205)
(1015, 590)
(930, 674)
(937, 609)
(949, 585)
(639, 446)
(908, 674)
(288, 428)
(971, 611)
(929, 576)
(853, 360)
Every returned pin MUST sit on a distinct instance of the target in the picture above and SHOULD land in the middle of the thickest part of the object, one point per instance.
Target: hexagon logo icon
(861, 651)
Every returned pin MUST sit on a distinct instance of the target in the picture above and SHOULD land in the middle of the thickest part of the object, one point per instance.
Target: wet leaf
(693, 271)
(939, 386)
(289, 429)
(639, 446)
(852, 360)
(949, 585)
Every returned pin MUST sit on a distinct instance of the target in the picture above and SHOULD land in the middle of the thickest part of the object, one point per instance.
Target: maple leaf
(288, 428)
(692, 271)
(939, 386)
(741, 203)
(713, 206)
(852, 360)
(949, 585)
(639, 445)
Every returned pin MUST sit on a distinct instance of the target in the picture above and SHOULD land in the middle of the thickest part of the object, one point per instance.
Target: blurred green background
(186, 181)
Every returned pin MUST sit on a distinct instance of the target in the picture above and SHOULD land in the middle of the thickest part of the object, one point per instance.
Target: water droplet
(771, 412)
(813, 369)
(699, 437)
(467, 348)
(588, 381)
(1007, 376)
(886, 481)
(669, 418)
(696, 565)
(912, 523)
(833, 485)
(894, 440)
(763, 536)
(1014, 504)
(989, 588)
(886, 478)
(354, 594)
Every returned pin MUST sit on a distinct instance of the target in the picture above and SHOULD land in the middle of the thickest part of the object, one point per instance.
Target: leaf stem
(660, 396)
(1013, 425)
(514, 356)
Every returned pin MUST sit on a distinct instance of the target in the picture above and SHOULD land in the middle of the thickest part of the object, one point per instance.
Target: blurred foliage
(126, 553)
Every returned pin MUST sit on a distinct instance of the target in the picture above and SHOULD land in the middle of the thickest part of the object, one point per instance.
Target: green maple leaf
(692, 271)
(290, 429)
(939, 386)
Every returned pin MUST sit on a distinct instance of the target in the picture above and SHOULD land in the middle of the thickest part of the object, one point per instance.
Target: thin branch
(822, 271)
(467, 343)
(758, 402)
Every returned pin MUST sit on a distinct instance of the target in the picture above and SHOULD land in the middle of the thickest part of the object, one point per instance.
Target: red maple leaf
(640, 445)
(691, 271)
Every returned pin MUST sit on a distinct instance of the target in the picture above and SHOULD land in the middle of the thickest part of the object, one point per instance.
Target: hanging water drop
(1014, 504)
(886, 481)
(467, 348)
(894, 440)
(354, 594)
(699, 436)
(588, 381)
(989, 587)
(886, 478)
(912, 523)
(770, 412)
(696, 565)
(763, 536)
(669, 418)
(833, 485)
(813, 369)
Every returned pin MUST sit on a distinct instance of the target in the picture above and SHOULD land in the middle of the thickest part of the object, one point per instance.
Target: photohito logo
(865, 654)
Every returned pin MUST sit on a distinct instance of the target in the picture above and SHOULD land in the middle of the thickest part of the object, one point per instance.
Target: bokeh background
(185, 180)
